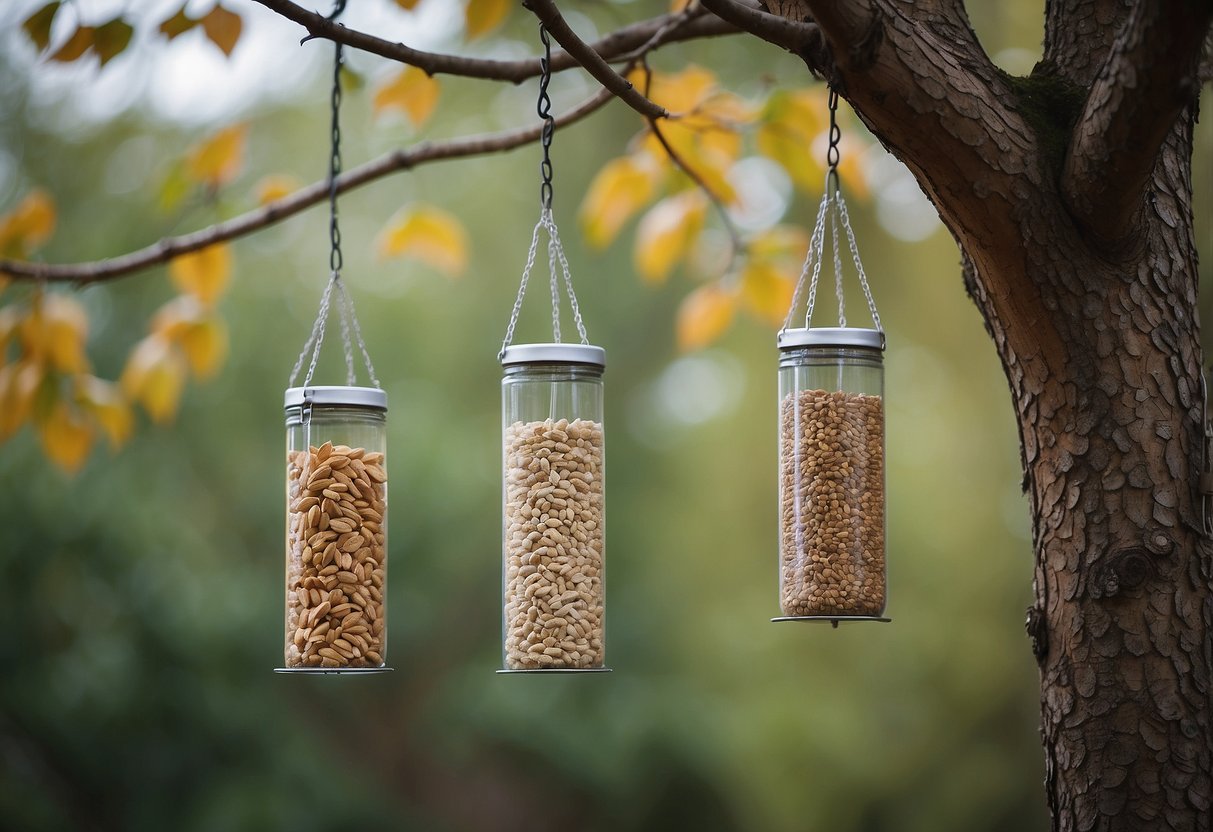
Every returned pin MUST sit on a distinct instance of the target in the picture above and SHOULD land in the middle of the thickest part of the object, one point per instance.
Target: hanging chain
(834, 207)
(832, 157)
(347, 318)
(556, 256)
(335, 259)
(544, 108)
(835, 134)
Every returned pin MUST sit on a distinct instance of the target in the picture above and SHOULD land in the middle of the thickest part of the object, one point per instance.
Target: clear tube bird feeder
(831, 440)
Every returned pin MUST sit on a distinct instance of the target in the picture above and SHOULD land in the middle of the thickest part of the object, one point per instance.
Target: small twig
(170, 247)
(735, 242)
(671, 24)
(593, 63)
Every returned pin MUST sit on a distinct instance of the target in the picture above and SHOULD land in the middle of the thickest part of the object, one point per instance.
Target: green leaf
(175, 188)
(111, 38)
(38, 25)
(351, 81)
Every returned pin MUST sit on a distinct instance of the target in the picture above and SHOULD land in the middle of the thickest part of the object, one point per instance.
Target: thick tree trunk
(1088, 287)
(1111, 426)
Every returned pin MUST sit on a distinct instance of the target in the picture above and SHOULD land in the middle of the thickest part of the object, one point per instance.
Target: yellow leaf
(178, 24)
(219, 159)
(678, 92)
(619, 190)
(792, 122)
(205, 346)
(10, 321)
(704, 135)
(154, 376)
(767, 291)
(804, 113)
(704, 316)
(411, 91)
(34, 334)
(75, 46)
(223, 28)
(108, 406)
(665, 234)
(28, 226)
(201, 336)
(483, 16)
(19, 385)
(275, 186)
(111, 38)
(66, 436)
(429, 234)
(38, 24)
(781, 241)
(64, 332)
(792, 153)
(175, 317)
(203, 273)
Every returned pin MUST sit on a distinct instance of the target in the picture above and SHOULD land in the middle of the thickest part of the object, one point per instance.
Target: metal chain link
(568, 280)
(556, 256)
(863, 277)
(348, 319)
(553, 279)
(833, 204)
(818, 228)
(526, 275)
(343, 317)
(366, 356)
(842, 303)
(336, 261)
(315, 339)
(544, 108)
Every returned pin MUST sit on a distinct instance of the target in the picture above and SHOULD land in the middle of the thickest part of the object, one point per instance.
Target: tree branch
(1144, 84)
(794, 36)
(405, 159)
(669, 28)
(593, 63)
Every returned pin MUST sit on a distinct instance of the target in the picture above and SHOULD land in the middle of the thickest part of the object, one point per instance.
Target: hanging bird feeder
(336, 486)
(554, 491)
(831, 441)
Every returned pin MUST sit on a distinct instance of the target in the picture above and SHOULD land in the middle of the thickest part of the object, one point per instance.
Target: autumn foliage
(675, 185)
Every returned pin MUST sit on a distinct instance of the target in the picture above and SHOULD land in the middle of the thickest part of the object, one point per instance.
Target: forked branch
(593, 63)
(1149, 76)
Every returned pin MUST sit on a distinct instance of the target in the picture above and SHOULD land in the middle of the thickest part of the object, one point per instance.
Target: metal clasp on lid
(305, 410)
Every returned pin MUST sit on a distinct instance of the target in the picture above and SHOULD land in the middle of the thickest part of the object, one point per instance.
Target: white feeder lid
(554, 354)
(337, 396)
(830, 336)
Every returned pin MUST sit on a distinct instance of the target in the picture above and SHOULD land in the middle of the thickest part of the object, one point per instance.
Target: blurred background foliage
(143, 603)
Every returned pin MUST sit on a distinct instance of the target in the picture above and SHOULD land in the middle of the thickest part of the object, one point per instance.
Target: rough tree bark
(1069, 195)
